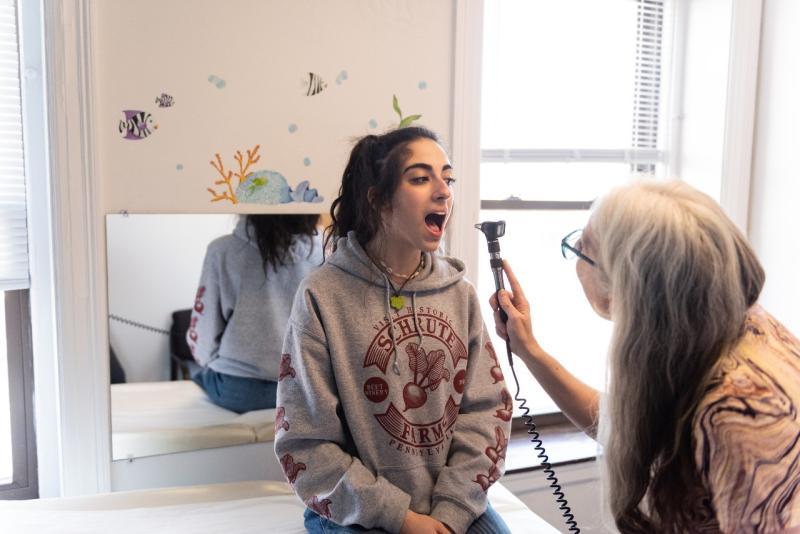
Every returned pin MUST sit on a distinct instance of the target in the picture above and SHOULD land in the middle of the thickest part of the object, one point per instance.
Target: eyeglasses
(571, 247)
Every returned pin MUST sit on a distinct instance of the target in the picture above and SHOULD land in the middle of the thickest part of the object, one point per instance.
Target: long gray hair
(681, 278)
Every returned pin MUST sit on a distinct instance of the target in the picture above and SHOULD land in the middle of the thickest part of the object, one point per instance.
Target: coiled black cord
(558, 493)
(138, 325)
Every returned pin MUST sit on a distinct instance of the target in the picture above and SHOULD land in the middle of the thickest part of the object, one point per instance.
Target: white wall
(774, 219)
(154, 264)
(701, 115)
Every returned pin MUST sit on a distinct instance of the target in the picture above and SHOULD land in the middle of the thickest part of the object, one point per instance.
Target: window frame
(24, 484)
(643, 155)
(735, 129)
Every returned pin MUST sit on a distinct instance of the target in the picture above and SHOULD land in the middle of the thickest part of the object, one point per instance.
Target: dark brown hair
(274, 234)
(374, 163)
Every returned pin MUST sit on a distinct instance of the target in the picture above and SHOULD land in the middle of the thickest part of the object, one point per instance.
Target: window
(17, 449)
(574, 97)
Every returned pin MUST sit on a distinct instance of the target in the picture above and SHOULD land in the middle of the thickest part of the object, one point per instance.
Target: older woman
(700, 426)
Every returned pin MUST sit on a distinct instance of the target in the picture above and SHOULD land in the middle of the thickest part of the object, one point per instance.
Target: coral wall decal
(257, 187)
(227, 176)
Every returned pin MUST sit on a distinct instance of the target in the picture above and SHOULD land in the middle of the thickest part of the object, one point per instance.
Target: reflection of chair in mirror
(181, 363)
(117, 372)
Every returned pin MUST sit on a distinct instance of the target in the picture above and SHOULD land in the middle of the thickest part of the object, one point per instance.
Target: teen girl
(392, 415)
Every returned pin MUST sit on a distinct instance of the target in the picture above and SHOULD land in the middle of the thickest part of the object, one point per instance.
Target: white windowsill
(563, 443)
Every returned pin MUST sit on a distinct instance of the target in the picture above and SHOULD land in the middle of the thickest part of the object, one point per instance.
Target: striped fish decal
(136, 125)
(315, 84)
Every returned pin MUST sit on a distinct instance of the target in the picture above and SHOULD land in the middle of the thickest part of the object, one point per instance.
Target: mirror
(159, 415)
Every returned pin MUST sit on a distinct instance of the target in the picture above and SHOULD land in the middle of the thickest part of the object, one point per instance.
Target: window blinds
(13, 222)
(647, 89)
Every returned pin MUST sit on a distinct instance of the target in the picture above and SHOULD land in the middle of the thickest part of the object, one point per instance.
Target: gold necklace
(397, 301)
(390, 271)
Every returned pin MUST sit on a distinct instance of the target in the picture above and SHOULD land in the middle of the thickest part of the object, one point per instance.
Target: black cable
(138, 325)
(558, 493)
(493, 230)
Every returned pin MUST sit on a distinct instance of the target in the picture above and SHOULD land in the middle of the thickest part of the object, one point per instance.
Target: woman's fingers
(516, 290)
(505, 300)
(502, 334)
(508, 302)
(499, 326)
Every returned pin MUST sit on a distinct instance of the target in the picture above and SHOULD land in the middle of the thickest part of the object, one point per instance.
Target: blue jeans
(237, 393)
(489, 522)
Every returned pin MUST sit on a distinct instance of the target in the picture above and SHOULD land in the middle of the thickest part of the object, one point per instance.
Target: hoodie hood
(241, 232)
(439, 271)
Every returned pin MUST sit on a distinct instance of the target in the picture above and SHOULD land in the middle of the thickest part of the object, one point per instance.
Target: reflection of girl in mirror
(389, 414)
(243, 303)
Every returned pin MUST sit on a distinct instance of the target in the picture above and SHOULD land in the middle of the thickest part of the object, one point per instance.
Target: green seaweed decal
(404, 121)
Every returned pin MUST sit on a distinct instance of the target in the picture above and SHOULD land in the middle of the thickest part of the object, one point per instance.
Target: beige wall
(238, 73)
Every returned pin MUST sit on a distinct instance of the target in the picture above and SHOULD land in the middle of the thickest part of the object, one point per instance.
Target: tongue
(430, 222)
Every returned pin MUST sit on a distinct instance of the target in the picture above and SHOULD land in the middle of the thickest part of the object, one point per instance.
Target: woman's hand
(517, 329)
(418, 523)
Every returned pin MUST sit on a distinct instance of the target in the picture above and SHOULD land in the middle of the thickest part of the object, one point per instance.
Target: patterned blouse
(747, 434)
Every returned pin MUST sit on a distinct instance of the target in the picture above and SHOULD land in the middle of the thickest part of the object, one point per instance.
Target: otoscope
(493, 230)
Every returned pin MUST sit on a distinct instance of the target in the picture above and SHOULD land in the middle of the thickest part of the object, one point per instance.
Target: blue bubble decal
(423, 85)
(219, 82)
(373, 123)
(306, 161)
(179, 167)
(292, 128)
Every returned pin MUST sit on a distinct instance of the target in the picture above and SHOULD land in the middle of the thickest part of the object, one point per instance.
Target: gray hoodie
(239, 315)
(380, 410)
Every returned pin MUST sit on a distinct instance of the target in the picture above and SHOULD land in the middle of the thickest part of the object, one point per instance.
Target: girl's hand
(418, 523)
(517, 329)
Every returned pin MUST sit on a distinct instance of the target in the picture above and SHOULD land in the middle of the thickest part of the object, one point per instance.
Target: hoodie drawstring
(416, 322)
(388, 309)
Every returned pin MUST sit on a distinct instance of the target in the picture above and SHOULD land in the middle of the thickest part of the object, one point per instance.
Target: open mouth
(435, 222)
